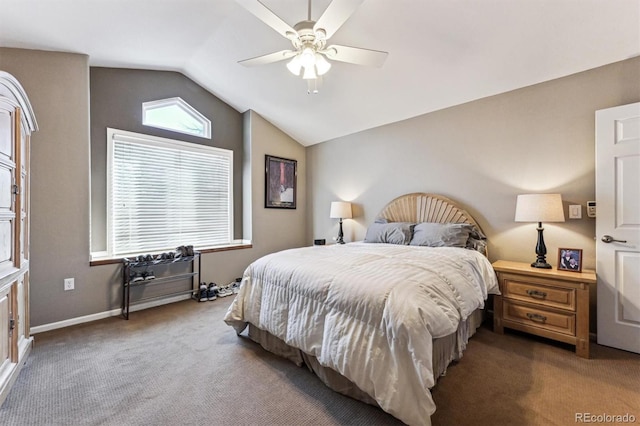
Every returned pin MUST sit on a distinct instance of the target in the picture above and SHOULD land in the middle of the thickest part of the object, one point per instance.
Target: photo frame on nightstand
(570, 259)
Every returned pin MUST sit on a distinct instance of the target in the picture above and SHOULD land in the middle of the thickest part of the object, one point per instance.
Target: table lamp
(340, 210)
(540, 208)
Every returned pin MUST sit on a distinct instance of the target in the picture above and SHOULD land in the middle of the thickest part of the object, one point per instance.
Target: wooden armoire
(17, 122)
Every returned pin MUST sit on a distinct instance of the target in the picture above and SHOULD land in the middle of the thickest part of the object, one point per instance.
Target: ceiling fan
(309, 38)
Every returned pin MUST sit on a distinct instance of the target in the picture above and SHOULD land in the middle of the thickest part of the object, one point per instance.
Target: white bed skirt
(445, 350)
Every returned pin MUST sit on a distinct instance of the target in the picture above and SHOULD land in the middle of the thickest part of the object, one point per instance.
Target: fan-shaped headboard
(423, 207)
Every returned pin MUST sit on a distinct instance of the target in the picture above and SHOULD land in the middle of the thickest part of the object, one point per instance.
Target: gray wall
(58, 87)
(116, 101)
(481, 154)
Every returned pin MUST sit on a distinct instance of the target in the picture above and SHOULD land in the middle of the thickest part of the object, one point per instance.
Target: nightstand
(545, 302)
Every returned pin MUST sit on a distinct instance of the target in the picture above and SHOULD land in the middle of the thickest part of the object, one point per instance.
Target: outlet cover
(69, 284)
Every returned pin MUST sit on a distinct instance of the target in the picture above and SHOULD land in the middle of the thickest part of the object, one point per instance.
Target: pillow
(477, 241)
(390, 233)
(441, 234)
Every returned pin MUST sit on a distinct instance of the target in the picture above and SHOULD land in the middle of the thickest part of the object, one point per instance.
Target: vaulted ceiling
(441, 52)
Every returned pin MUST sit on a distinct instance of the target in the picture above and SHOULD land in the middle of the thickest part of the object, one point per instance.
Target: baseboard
(107, 314)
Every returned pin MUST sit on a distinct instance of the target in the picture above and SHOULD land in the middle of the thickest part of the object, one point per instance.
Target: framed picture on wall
(280, 182)
(570, 259)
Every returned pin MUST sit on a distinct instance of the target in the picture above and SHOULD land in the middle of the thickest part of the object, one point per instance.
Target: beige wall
(481, 154)
(269, 229)
(58, 87)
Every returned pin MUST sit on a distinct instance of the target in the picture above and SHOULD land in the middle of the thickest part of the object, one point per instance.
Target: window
(163, 193)
(177, 115)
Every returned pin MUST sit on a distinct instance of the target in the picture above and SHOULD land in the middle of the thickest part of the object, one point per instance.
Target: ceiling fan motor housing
(308, 37)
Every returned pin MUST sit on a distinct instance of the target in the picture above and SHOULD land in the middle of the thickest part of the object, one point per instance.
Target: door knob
(609, 239)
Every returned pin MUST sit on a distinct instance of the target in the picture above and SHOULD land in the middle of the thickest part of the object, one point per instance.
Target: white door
(618, 226)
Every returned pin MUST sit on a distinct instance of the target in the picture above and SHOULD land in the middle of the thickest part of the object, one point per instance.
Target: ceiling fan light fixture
(309, 72)
(295, 65)
(307, 57)
(322, 65)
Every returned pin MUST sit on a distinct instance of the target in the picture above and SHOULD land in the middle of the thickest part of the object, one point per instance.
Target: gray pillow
(441, 234)
(390, 233)
(477, 241)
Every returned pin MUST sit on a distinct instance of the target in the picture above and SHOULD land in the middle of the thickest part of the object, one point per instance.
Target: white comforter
(368, 311)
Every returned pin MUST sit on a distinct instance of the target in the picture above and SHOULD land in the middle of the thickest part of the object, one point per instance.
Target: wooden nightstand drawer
(528, 315)
(545, 302)
(535, 291)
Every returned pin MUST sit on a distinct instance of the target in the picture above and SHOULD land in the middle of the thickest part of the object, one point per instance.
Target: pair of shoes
(136, 276)
(235, 287)
(184, 251)
(144, 258)
(202, 293)
(163, 257)
(212, 291)
(225, 291)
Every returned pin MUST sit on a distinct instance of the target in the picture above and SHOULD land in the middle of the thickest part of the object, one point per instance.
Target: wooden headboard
(423, 207)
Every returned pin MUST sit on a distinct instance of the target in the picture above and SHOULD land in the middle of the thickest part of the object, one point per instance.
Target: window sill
(227, 247)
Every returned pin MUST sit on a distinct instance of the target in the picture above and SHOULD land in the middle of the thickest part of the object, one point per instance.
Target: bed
(381, 319)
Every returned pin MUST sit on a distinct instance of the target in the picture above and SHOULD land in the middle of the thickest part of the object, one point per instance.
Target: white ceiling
(441, 52)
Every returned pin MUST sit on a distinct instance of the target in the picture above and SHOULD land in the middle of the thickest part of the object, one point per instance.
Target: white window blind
(164, 193)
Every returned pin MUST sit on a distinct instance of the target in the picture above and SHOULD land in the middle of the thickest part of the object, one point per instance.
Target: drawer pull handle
(537, 294)
(536, 317)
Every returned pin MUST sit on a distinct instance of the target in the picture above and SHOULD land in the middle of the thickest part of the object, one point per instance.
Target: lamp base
(340, 239)
(541, 251)
(543, 265)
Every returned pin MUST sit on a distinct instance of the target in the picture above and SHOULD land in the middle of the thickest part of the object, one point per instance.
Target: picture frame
(281, 175)
(570, 259)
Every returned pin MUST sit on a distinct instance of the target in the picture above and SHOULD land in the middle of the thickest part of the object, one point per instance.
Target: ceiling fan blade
(269, 58)
(356, 55)
(265, 14)
(335, 15)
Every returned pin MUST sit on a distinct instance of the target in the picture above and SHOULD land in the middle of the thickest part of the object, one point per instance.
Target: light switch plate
(575, 211)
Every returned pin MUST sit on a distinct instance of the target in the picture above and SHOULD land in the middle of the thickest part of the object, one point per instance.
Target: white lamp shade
(340, 210)
(322, 65)
(539, 208)
(307, 57)
(309, 72)
(295, 65)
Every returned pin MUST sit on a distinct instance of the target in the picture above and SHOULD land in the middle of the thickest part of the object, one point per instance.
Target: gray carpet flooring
(179, 364)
